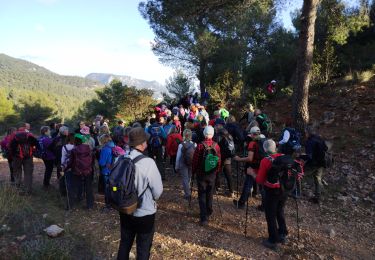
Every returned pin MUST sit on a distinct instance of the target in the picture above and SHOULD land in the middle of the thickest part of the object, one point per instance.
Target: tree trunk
(304, 64)
(202, 76)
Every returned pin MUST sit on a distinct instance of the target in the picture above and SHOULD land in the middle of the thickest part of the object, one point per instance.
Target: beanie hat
(208, 131)
(137, 136)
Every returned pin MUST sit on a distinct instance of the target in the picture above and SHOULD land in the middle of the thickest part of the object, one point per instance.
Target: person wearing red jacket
(274, 201)
(205, 181)
(173, 140)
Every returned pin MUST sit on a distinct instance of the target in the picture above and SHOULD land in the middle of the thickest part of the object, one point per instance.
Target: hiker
(184, 160)
(65, 157)
(173, 141)
(5, 150)
(156, 142)
(235, 131)
(58, 142)
(224, 114)
(141, 224)
(21, 149)
(105, 162)
(289, 139)
(81, 162)
(248, 116)
(118, 133)
(274, 200)
(202, 111)
(46, 154)
(315, 148)
(264, 123)
(252, 166)
(271, 88)
(86, 132)
(206, 165)
(228, 151)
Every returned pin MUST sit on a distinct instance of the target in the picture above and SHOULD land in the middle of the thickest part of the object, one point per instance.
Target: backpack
(285, 172)
(264, 123)
(123, 195)
(155, 139)
(227, 148)
(24, 150)
(68, 154)
(259, 154)
(322, 155)
(188, 153)
(224, 114)
(294, 141)
(82, 163)
(210, 158)
(40, 151)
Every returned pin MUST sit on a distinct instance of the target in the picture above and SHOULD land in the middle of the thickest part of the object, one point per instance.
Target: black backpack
(321, 154)
(294, 141)
(284, 171)
(123, 195)
(227, 147)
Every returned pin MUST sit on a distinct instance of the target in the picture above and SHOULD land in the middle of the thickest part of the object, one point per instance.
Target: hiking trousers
(186, 177)
(48, 171)
(317, 174)
(10, 163)
(27, 166)
(80, 183)
(157, 155)
(206, 186)
(140, 228)
(274, 204)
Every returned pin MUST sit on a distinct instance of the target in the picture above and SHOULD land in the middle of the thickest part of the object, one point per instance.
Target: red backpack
(24, 149)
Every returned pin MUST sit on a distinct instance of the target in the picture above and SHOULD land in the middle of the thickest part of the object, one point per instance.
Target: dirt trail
(335, 231)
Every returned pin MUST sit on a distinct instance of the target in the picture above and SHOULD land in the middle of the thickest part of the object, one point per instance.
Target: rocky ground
(343, 227)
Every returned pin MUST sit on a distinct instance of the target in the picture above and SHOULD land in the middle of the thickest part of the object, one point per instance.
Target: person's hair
(136, 124)
(173, 130)
(269, 146)
(152, 120)
(70, 138)
(120, 122)
(225, 133)
(311, 129)
(231, 119)
(44, 129)
(103, 130)
(288, 122)
(257, 112)
(105, 138)
(11, 130)
(187, 135)
(77, 141)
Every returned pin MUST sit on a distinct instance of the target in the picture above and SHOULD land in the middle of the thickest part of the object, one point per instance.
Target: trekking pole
(295, 198)
(247, 211)
(237, 181)
(67, 191)
(191, 191)
(218, 204)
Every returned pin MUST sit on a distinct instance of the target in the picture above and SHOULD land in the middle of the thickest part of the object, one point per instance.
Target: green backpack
(210, 158)
(224, 113)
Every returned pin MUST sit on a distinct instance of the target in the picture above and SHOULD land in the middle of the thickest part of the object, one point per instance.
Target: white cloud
(144, 43)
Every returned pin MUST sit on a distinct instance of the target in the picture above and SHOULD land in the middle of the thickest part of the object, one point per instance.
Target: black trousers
(48, 171)
(79, 182)
(141, 228)
(274, 204)
(206, 186)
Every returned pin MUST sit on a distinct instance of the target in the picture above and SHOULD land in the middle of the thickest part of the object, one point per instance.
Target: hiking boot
(203, 223)
(260, 208)
(238, 204)
(282, 239)
(269, 245)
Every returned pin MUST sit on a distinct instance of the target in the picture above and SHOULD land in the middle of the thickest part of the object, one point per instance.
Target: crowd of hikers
(200, 147)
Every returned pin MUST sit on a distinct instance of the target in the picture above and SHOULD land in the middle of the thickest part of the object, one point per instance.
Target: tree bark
(304, 64)
(202, 75)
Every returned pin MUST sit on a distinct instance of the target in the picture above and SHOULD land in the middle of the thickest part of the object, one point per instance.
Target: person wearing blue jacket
(105, 162)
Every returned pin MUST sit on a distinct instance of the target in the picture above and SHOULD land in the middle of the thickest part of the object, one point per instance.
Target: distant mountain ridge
(106, 78)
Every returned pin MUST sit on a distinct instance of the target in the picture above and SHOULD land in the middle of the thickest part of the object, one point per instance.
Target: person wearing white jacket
(141, 223)
(184, 149)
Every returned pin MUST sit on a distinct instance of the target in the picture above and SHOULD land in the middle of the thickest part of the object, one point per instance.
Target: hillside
(129, 81)
(342, 227)
(39, 95)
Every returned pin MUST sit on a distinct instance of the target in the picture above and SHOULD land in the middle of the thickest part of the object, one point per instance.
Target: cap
(255, 130)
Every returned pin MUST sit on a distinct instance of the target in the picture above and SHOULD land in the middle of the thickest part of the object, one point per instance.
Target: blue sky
(77, 37)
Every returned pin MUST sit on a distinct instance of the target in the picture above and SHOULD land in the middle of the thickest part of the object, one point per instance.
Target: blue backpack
(156, 136)
(123, 195)
(41, 150)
